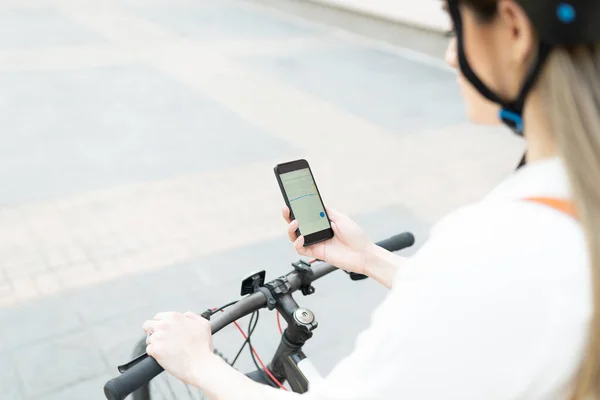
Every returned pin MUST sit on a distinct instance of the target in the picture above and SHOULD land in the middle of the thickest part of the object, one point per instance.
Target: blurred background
(137, 145)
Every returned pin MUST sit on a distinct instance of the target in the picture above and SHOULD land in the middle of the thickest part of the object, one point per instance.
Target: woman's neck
(540, 143)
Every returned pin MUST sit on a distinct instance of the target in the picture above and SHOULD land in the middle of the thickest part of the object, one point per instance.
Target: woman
(502, 301)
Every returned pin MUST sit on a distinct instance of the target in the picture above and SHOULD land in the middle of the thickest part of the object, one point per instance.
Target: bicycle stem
(301, 323)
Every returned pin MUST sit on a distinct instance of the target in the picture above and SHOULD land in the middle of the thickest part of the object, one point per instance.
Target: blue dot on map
(322, 214)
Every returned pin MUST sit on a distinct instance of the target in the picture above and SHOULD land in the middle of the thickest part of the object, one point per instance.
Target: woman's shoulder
(501, 281)
(512, 233)
(510, 221)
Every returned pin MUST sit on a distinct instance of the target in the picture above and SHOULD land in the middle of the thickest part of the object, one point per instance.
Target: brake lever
(303, 266)
(135, 361)
(357, 277)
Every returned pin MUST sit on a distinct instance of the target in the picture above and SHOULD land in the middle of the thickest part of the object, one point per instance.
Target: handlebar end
(131, 380)
(112, 390)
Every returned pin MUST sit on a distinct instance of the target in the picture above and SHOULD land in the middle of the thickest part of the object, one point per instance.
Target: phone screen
(305, 201)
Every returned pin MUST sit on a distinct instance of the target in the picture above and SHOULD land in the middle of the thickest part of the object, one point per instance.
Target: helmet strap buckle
(512, 119)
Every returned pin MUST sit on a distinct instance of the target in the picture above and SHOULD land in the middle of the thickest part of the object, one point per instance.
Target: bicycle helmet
(557, 23)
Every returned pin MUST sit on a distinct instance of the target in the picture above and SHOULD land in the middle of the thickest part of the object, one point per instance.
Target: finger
(150, 350)
(333, 214)
(165, 315)
(149, 326)
(292, 227)
(199, 320)
(156, 351)
(336, 230)
(299, 246)
(299, 243)
(192, 315)
(285, 211)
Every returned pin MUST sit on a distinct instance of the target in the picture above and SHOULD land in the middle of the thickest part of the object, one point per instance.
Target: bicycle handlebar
(144, 371)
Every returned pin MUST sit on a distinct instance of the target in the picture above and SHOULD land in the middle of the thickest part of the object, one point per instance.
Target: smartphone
(302, 197)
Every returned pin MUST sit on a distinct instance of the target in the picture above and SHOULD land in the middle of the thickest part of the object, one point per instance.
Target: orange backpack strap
(562, 205)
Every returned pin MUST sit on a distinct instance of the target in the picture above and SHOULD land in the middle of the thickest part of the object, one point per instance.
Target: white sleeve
(474, 315)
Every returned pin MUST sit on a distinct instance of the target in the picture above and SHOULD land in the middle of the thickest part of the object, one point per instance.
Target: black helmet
(557, 23)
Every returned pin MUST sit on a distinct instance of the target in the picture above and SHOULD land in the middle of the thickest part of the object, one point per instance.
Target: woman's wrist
(382, 265)
(202, 371)
(220, 381)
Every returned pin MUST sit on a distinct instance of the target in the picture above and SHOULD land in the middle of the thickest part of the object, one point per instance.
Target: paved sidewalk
(136, 163)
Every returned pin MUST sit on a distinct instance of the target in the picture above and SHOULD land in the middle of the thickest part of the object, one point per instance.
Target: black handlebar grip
(397, 242)
(132, 379)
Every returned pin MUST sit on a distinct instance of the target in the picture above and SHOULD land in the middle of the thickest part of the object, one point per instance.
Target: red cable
(257, 356)
(252, 347)
(259, 360)
(279, 323)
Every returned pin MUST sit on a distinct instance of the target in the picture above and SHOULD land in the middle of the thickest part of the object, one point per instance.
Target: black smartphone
(302, 197)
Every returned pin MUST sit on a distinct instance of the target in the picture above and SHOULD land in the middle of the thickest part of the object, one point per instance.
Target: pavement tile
(122, 352)
(57, 363)
(201, 21)
(10, 382)
(117, 337)
(29, 28)
(6, 289)
(143, 110)
(17, 265)
(47, 284)
(167, 282)
(112, 332)
(76, 275)
(101, 302)
(198, 301)
(27, 323)
(232, 266)
(393, 219)
(89, 389)
(407, 97)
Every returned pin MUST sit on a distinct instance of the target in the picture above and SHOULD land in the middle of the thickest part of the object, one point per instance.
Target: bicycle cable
(216, 310)
(251, 328)
(255, 357)
(279, 323)
(264, 370)
(255, 354)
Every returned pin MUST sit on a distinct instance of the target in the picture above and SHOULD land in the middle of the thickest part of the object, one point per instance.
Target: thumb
(192, 315)
(300, 249)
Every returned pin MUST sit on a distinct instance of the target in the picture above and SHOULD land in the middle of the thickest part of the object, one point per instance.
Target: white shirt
(496, 305)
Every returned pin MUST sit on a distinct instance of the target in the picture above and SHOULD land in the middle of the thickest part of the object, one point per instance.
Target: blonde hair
(569, 89)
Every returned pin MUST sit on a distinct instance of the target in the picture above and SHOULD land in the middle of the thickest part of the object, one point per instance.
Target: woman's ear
(517, 33)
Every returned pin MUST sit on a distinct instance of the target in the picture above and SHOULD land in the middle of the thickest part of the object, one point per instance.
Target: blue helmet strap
(511, 113)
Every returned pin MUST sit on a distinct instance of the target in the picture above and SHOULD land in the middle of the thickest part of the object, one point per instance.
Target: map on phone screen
(305, 201)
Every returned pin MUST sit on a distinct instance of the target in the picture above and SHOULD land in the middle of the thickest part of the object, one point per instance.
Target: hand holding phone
(302, 197)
